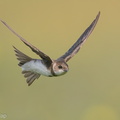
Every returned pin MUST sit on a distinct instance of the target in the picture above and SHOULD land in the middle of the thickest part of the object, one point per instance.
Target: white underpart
(59, 72)
(36, 66)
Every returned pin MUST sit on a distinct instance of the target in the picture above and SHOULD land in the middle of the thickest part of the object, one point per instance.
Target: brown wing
(76, 46)
(45, 57)
(22, 57)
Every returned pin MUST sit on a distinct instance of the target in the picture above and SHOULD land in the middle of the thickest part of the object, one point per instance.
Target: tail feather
(31, 76)
(21, 57)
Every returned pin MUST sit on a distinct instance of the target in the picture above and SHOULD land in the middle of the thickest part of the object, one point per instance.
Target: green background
(91, 88)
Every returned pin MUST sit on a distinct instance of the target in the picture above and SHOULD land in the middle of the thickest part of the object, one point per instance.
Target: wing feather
(45, 57)
(77, 45)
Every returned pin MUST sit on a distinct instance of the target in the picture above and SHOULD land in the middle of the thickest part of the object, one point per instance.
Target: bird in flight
(34, 68)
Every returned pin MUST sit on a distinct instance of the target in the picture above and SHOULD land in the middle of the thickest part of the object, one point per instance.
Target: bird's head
(59, 67)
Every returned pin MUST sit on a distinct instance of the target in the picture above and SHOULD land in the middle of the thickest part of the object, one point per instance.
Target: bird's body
(38, 66)
(34, 68)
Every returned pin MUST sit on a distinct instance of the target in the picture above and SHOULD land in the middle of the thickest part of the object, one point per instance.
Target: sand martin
(34, 68)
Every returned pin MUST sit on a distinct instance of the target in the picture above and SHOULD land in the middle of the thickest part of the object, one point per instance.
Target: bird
(46, 66)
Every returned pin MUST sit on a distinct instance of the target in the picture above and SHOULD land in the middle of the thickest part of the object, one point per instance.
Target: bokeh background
(91, 88)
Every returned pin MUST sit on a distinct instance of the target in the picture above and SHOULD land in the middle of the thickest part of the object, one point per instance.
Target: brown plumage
(21, 57)
(33, 68)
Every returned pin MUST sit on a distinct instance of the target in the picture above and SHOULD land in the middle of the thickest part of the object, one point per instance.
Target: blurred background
(91, 88)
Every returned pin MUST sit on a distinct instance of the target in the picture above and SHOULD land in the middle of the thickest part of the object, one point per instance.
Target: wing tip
(98, 15)
(2, 21)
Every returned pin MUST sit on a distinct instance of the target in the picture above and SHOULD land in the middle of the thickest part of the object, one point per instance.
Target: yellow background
(91, 88)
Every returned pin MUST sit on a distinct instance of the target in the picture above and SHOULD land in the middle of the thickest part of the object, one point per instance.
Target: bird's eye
(60, 67)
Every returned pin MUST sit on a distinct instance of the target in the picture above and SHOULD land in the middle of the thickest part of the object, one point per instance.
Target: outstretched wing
(76, 46)
(45, 57)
